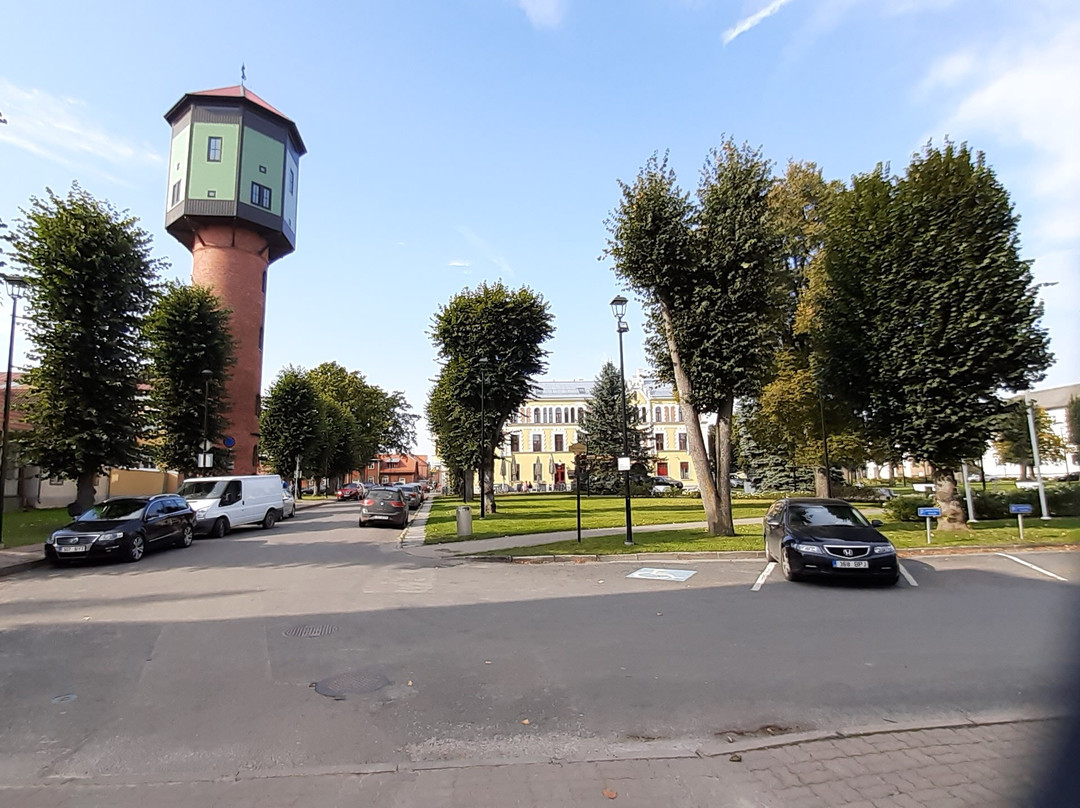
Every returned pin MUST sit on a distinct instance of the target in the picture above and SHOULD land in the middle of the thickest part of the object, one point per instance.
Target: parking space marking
(764, 574)
(907, 575)
(1032, 566)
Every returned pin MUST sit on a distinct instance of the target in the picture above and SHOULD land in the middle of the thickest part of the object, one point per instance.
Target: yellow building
(536, 453)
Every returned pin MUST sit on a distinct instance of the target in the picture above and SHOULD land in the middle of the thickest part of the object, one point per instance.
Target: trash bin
(464, 521)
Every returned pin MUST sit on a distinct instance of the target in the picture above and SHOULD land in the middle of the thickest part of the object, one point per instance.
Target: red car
(350, 491)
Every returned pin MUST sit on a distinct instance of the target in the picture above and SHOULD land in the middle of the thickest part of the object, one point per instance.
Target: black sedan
(384, 506)
(827, 537)
(124, 527)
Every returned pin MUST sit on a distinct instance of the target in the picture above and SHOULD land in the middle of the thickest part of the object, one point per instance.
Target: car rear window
(383, 495)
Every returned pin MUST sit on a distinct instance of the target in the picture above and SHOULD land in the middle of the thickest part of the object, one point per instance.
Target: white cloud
(746, 23)
(489, 252)
(459, 263)
(544, 13)
(64, 131)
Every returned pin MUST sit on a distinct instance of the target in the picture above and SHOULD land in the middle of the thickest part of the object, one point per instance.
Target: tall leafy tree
(1072, 424)
(188, 333)
(708, 272)
(506, 329)
(92, 281)
(291, 423)
(1012, 438)
(931, 311)
(601, 428)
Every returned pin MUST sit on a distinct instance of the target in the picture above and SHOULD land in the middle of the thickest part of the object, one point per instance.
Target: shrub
(906, 508)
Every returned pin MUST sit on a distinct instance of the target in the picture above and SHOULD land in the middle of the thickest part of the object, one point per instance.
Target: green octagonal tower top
(234, 160)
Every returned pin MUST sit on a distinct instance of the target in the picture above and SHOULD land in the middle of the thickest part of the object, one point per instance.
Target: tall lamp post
(207, 375)
(483, 362)
(16, 288)
(618, 308)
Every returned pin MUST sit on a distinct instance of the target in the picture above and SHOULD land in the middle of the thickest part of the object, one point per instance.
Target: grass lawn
(521, 514)
(32, 527)
(902, 534)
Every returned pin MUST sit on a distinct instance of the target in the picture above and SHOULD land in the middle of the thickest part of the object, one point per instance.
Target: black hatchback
(124, 527)
(827, 537)
(384, 506)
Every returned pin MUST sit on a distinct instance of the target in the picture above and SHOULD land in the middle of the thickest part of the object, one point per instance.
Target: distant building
(388, 469)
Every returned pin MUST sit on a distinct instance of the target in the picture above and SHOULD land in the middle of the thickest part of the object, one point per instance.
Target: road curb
(22, 566)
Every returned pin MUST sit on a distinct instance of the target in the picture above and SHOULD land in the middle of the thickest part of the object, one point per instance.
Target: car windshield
(202, 489)
(824, 515)
(114, 511)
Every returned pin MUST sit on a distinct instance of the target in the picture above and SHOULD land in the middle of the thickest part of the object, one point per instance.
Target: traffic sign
(206, 460)
(229, 441)
(207, 445)
(929, 512)
(1015, 509)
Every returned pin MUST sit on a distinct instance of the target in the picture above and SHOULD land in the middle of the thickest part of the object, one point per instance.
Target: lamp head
(618, 306)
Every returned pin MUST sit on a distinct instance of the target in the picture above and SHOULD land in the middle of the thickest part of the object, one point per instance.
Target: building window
(292, 182)
(558, 415)
(678, 414)
(684, 471)
(657, 412)
(573, 418)
(260, 195)
(537, 441)
(659, 436)
(559, 443)
(213, 149)
(515, 472)
(54, 480)
(536, 415)
(262, 169)
(682, 442)
(175, 193)
(515, 443)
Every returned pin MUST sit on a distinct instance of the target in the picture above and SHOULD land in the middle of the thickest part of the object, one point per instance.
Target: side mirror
(876, 523)
(772, 522)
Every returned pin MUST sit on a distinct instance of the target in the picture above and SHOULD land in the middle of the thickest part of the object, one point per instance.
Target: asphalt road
(183, 667)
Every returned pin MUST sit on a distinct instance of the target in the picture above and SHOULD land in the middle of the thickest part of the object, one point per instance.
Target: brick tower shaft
(232, 261)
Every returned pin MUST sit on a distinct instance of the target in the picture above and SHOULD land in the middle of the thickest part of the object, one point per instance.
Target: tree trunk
(947, 498)
(467, 486)
(1023, 472)
(821, 481)
(723, 464)
(695, 441)
(85, 491)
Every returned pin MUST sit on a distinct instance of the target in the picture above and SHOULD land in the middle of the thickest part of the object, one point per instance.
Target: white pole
(928, 529)
(967, 492)
(1035, 457)
(1020, 523)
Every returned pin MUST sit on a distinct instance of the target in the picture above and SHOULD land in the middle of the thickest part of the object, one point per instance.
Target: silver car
(413, 495)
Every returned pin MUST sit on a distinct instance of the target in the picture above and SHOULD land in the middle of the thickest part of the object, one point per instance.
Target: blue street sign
(925, 512)
(1015, 509)
(229, 441)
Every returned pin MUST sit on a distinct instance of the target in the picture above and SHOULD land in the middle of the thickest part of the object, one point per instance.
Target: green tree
(291, 423)
(92, 282)
(188, 333)
(490, 340)
(601, 429)
(708, 276)
(1072, 424)
(1012, 438)
(930, 311)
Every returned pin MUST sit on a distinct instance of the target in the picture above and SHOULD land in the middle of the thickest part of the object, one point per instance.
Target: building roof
(1053, 398)
(240, 92)
(580, 388)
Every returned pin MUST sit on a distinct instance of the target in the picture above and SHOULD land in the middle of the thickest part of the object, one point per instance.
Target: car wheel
(269, 520)
(785, 565)
(768, 553)
(220, 528)
(136, 548)
(186, 537)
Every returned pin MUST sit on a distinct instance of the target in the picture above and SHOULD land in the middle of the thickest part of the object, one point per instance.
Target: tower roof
(242, 93)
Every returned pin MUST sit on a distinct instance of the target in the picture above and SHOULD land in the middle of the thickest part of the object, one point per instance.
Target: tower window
(175, 193)
(260, 195)
(213, 149)
(211, 194)
(262, 169)
(292, 182)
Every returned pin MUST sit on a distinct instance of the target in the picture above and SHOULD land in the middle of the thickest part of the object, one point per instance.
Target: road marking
(1027, 564)
(764, 574)
(907, 575)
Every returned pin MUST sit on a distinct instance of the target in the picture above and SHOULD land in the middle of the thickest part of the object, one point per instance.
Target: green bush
(860, 493)
(906, 508)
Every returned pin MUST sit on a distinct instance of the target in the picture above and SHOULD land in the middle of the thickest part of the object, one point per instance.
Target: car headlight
(51, 539)
(808, 548)
(363, 510)
(107, 537)
(201, 513)
(884, 549)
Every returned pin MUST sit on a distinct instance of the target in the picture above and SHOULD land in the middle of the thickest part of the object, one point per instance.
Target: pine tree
(601, 431)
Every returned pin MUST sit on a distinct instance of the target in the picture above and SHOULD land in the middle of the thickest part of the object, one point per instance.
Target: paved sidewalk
(17, 559)
(947, 766)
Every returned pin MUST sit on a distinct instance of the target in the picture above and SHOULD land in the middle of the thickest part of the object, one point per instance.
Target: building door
(661, 469)
(560, 473)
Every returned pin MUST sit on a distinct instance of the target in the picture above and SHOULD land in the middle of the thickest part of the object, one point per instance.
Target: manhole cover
(354, 682)
(310, 631)
(65, 698)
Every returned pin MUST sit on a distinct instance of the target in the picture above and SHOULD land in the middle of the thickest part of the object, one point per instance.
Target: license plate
(77, 548)
(380, 516)
(852, 565)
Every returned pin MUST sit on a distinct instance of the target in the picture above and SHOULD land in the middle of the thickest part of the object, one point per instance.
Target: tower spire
(243, 75)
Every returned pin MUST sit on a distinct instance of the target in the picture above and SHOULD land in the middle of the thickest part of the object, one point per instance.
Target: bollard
(464, 521)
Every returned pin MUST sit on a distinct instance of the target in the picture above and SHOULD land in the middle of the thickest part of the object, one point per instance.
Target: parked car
(350, 491)
(384, 506)
(661, 485)
(412, 493)
(1071, 477)
(288, 505)
(222, 503)
(827, 537)
(124, 527)
(1027, 485)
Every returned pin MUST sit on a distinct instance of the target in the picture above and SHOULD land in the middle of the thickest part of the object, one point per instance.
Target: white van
(221, 503)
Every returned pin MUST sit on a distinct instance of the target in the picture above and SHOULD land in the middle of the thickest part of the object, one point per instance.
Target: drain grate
(310, 631)
(354, 682)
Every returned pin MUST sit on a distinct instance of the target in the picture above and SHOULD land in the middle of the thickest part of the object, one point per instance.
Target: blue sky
(456, 141)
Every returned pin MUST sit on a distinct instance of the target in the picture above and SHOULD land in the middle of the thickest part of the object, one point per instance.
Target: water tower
(234, 169)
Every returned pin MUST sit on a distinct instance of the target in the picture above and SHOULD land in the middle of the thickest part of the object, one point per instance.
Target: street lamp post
(483, 362)
(16, 287)
(206, 375)
(618, 308)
